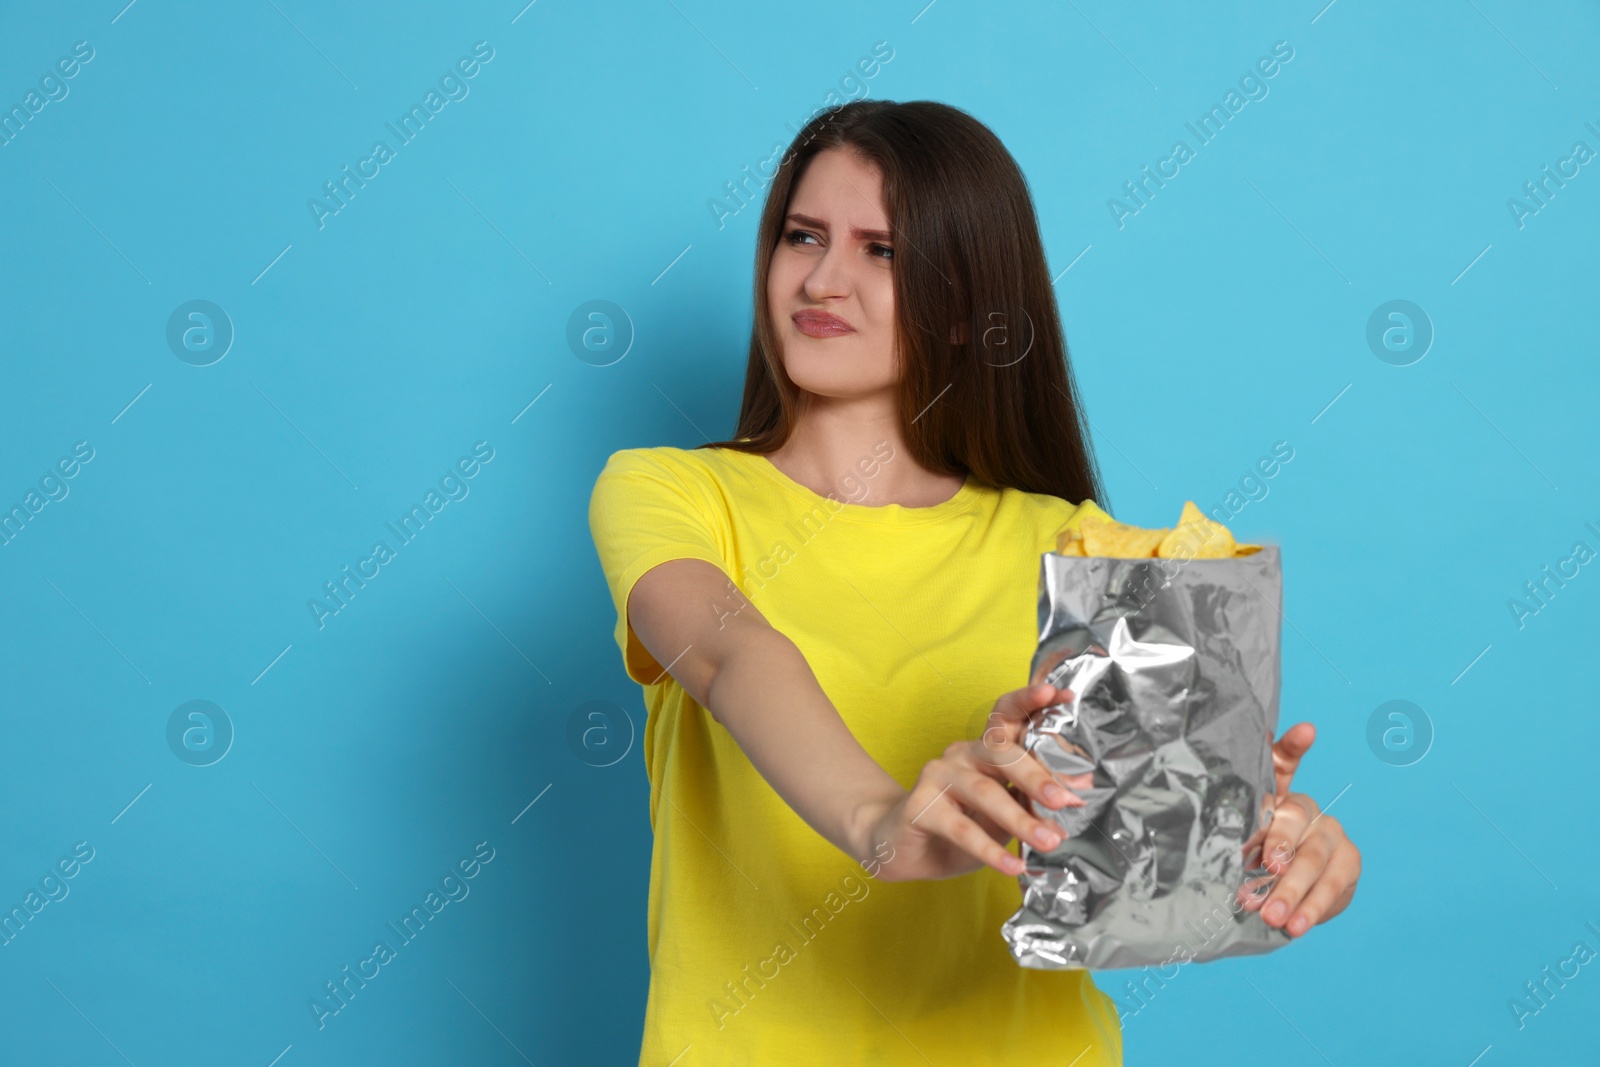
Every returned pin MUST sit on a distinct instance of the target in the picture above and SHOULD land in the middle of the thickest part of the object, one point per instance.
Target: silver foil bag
(1173, 667)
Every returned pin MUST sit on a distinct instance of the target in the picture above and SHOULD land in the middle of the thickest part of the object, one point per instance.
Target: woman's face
(830, 286)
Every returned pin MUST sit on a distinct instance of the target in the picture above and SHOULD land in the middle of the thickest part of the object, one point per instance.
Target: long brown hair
(999, 402)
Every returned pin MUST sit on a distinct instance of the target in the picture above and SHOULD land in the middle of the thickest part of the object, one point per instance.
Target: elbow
(718, 685)
(735, 666)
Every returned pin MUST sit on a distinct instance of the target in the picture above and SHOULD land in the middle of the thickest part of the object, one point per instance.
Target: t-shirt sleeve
(642, 513)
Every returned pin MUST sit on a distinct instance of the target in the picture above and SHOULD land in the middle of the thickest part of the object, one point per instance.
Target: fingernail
(1014, 864)
(1298, 925)
(1275, 912)
(1054, 794)
(1047, 838)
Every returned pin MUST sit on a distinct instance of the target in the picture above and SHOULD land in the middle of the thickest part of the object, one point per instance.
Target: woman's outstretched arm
(756, 682)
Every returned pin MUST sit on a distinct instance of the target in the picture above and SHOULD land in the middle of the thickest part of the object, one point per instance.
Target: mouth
(821, 324)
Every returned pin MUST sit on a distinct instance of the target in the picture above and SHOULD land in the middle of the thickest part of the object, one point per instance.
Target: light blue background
(425, 717)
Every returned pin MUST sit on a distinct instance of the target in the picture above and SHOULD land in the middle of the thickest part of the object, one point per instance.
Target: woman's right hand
(961, 813)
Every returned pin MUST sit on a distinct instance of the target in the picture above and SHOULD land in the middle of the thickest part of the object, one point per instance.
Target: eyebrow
(855, 231)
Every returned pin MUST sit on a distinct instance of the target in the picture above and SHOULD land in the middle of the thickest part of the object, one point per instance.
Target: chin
(831, 382)
(836, 372)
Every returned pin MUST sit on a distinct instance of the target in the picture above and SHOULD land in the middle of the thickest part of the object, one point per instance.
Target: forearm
(768, 699)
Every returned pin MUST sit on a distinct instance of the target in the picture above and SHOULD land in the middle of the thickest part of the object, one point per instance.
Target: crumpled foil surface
(1174, 671)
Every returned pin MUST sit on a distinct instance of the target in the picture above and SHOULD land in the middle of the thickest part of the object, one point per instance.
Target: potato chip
(1069, 542)
(1086, 511)
(1089, 531)
(1120, 540)
(1196, 537)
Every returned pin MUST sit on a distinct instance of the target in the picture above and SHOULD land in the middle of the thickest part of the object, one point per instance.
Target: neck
(854, 449)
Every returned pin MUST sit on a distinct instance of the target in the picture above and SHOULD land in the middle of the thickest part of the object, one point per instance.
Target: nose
(830, 275)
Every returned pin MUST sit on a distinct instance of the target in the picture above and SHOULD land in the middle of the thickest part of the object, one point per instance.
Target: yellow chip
(1089, 531)
(1069, 542)
(1197, 537)
(1120, 541)
(1088, 510)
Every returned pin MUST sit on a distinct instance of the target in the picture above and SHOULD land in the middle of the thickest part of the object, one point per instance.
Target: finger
(1346, 854)
(1331, 892)
(1252, 893)
(946, 819)
(1252, 846)
(1291, 817)
(997, 832)
(1310, 860)
(1287, 753)
(1008, 720)
(984, 794)
(1272, 847)
(1000, 745)
(1034, 780)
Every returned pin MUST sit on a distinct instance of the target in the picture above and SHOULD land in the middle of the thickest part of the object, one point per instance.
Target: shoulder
(701, 480)
(700, 467)
(1041, 507)
(660, 457)
(1039, 517)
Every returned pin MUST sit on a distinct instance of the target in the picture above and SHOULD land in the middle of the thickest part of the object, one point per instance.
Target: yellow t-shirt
(768, 945)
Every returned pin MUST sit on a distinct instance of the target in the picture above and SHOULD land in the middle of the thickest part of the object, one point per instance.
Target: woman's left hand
(1316, 864)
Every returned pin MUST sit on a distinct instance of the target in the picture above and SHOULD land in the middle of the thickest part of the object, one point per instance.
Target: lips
(821, 324)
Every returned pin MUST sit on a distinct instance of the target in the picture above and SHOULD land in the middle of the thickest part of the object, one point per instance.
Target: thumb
(1287, 752)
(1008, 720)
(1015, 708)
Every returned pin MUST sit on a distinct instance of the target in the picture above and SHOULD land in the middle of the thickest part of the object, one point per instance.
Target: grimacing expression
(835, 255)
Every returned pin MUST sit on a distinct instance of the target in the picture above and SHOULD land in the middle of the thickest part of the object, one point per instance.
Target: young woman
(830, 610)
